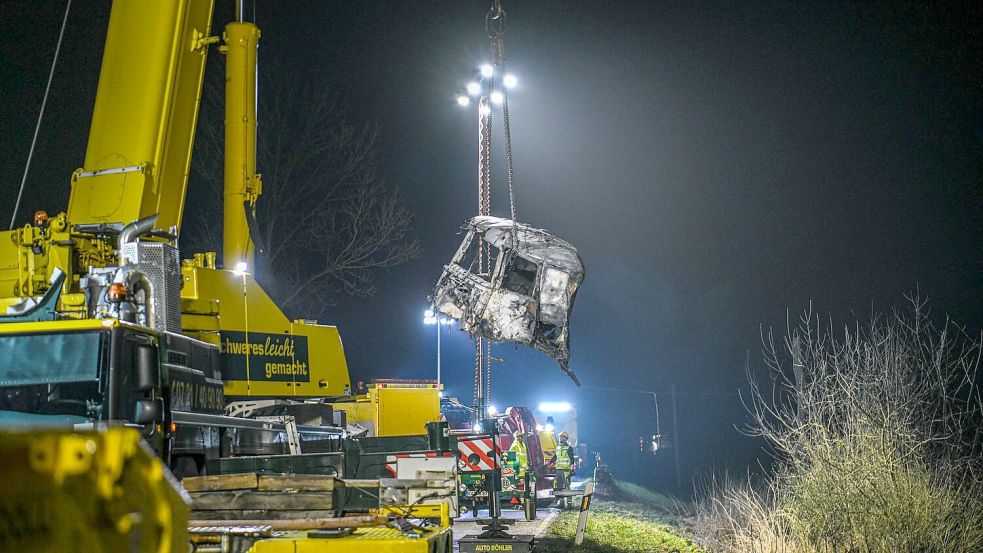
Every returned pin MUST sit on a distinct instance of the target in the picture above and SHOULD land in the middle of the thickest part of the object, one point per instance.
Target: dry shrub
(876, 436)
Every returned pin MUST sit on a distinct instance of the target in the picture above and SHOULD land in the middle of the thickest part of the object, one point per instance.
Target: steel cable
(44, 103)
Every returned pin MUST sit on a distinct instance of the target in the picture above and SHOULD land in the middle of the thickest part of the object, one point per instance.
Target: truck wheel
(184, 467)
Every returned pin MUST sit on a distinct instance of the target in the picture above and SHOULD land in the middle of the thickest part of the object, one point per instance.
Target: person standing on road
(521, 457)
(564, 459)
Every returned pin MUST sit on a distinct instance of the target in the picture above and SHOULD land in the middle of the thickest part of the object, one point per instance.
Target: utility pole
(675, 435)
(430, 317)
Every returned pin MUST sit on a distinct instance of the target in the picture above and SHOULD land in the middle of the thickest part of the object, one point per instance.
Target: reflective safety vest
(520, 456)
(563, 458)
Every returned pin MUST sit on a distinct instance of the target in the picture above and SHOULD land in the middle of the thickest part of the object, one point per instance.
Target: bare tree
(875, 430)
(877, 433)
(900, 375)
(327, 221)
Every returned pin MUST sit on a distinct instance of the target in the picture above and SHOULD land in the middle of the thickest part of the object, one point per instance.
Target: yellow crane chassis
(93, 491)
(362, 540)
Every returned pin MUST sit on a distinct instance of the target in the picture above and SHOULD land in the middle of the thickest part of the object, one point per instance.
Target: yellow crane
(101, 321)
(116, 242)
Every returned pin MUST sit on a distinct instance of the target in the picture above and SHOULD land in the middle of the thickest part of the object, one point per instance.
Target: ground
(466, 525)
(640, 523)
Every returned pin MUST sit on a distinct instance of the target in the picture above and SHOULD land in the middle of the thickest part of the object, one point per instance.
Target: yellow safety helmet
(563, 434)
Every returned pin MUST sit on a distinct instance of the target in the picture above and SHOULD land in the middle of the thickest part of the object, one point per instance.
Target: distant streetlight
(656, 443)
(431, 318)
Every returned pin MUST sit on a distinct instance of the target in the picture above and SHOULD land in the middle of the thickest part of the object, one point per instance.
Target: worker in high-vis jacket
(521, 457)
(564, 460)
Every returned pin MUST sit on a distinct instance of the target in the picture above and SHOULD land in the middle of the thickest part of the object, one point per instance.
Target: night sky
(716, 164)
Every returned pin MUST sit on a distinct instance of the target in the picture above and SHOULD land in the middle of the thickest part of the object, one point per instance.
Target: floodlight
(463, 100)
(474, 88)
(497, 97)
(476, 427)
(487, 70)
(239, 269)
(548, 428)
(429, 317)
(484, 109)
(510, 81)
(555, 407)
(492, 411)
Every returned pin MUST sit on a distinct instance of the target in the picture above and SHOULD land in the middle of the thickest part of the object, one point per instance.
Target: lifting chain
(488, 360)
(498, 55)
(484, 253)
(495, 23)
(478, 378)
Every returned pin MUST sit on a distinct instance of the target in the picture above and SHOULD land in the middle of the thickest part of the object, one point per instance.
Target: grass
(645, 496)
(644, 523)
(875, 436)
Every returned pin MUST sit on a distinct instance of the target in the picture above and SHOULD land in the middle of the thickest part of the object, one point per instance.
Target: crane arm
(143, 123)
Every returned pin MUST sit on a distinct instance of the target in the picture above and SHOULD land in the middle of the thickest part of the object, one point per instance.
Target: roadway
(465, 525)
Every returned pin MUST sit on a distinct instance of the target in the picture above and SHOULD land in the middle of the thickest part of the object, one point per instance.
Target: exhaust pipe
(131, 276)
(135, 281)
(136, 229)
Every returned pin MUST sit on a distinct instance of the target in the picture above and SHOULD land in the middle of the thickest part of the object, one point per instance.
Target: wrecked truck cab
(520, 290)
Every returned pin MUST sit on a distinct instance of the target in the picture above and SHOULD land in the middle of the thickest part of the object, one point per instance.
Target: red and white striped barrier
(476, 453)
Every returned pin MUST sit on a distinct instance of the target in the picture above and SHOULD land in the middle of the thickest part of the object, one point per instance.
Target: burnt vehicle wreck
(510, 282)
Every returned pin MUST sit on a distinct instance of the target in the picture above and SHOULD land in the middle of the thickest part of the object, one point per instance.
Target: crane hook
(495, 20)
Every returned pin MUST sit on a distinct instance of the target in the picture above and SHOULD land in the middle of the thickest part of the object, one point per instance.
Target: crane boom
(242, 183)
(143, 123)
